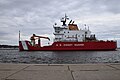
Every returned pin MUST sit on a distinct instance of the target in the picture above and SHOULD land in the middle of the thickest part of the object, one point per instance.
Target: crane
(34, 37)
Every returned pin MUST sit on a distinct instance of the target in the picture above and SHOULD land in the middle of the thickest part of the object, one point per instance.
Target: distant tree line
(8, 46)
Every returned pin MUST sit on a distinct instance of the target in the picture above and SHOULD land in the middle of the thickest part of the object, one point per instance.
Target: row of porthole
(74, 35)
(68, 32)
(64, 32)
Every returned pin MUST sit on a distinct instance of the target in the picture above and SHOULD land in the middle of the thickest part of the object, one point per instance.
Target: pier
(106, 71)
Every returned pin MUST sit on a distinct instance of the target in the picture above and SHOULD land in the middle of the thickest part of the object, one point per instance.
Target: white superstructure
(71, 33)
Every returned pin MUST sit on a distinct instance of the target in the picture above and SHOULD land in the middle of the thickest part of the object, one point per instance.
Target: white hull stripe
(24, 45)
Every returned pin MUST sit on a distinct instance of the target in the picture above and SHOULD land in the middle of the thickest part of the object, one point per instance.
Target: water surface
(59, 57)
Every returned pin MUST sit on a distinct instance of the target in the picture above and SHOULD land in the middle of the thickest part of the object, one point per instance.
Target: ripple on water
(59, 57)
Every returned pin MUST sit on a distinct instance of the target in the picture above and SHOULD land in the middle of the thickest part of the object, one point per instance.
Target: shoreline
(18, 48)
(9, 48)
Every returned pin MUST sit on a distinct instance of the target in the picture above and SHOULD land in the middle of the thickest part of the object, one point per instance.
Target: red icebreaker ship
(68, 37)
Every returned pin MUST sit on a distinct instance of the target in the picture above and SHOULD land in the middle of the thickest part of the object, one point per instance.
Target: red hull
(67, 46)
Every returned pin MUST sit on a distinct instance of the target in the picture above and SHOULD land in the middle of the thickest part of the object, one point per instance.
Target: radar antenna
(64, 20)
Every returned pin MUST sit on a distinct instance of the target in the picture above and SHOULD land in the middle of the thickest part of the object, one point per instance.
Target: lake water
(59, 57)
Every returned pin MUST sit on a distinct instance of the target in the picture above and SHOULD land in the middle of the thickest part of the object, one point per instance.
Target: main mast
(64, 19)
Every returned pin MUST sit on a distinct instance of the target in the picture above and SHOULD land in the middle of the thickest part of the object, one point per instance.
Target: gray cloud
(38, 16)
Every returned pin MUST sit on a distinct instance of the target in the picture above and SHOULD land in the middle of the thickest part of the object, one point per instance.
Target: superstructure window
(85, 32)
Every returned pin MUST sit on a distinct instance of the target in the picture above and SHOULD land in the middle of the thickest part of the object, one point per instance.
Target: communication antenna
(64, 19)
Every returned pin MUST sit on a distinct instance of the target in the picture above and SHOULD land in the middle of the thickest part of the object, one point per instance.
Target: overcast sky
(39, 16)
